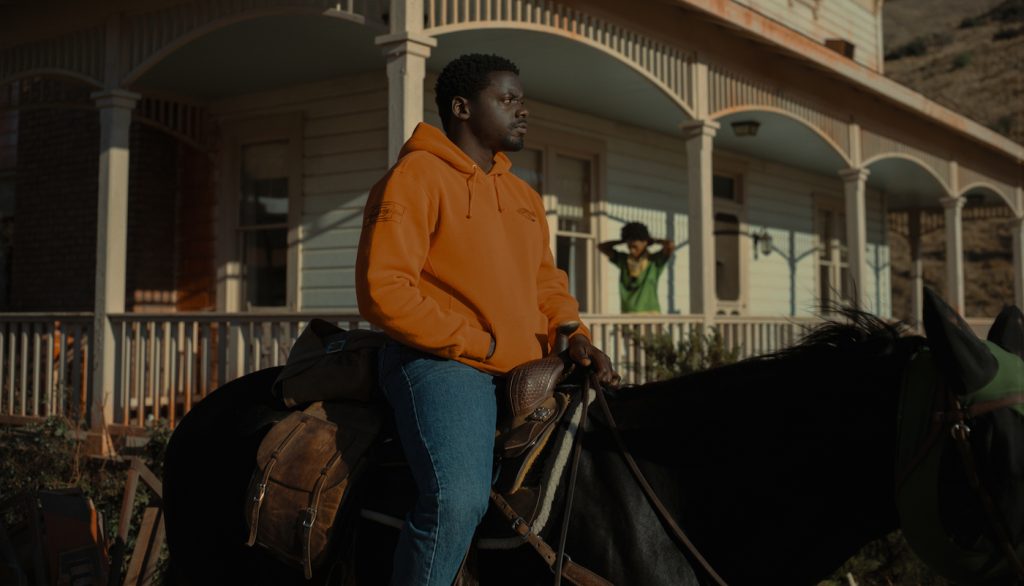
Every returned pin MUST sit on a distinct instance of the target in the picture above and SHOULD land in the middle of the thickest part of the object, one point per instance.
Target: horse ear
(1008, 330)
(957, 350)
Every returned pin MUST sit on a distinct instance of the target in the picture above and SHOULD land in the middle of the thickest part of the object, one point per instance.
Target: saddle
(303, 478)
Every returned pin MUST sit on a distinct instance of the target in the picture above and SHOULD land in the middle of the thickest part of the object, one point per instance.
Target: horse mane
(851, 330)
(846, 336)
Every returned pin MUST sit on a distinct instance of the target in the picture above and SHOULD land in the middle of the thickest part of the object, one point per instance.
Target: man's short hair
(466, 76)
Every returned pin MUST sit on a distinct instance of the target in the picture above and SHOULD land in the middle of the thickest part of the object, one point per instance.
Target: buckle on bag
(335, 343)
(261, 491)
(310, 518)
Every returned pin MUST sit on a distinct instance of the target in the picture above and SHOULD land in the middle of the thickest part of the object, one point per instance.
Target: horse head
(960, 462)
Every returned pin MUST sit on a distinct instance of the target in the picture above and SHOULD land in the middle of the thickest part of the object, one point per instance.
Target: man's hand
(585, 354)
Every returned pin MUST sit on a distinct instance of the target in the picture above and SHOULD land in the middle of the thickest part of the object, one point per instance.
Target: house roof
(806, 49)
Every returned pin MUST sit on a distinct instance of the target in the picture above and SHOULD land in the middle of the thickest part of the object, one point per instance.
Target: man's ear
(460, 108)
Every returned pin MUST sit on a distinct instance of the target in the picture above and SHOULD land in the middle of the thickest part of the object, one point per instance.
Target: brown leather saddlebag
(327, 363)
(305, 467)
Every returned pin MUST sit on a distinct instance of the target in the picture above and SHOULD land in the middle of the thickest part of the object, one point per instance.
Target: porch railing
(44, 365)
(167, 362)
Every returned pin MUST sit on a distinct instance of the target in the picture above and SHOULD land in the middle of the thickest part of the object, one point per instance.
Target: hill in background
(969, 57)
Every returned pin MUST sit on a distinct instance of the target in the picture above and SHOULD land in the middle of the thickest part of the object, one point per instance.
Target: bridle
(952, 415)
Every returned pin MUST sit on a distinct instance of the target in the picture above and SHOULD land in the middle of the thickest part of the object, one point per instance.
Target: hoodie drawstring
(497, 194)
(469, 195)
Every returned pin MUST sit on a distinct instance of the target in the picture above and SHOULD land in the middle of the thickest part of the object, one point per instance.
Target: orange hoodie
(450, 255)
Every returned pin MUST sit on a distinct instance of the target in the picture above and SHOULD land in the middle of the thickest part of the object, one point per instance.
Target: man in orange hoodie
(454, 265)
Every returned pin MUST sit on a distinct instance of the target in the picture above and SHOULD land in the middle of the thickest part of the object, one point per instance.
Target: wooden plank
(142, 565)
(24, 379)
(4, 364)
(36, 359)
(75, 384)
(51, 396)
(151, 370)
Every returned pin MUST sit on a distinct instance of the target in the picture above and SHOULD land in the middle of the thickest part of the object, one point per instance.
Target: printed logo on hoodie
(527, 214)
(388, 211)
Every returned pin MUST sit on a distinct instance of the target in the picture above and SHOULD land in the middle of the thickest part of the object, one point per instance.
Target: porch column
(854, 191)
(1017, 230)
(954, 252)
(700, 136)
(115, 108)
(406, 48)
(916, 269)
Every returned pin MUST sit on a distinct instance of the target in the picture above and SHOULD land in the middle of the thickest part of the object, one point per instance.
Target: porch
(166, 362)
(645, 130)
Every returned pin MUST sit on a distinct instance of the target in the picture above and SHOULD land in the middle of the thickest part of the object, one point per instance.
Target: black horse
(779, 468)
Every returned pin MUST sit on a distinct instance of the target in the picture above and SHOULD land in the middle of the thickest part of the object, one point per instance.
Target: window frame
(552, 144)
(737, 206)
(230, 278)
(836, 264)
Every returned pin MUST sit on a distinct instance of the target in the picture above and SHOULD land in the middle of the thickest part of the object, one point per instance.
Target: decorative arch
(829, 140)
(53, 73)
(912, 159)
(992, 189)
(152, 37)
(77, 56)
(666, 67)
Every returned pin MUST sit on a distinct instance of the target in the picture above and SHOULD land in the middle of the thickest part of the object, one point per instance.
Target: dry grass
(976, 70)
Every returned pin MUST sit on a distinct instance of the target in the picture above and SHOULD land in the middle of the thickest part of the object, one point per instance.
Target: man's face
(636, 247)
(498, 116)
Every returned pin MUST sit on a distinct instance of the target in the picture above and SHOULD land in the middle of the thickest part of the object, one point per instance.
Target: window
(725, 187)
(527, 165)
(833, 264)
(729, 228)
(575, 240)
(263, 224)
(727, 257)
(566, 180)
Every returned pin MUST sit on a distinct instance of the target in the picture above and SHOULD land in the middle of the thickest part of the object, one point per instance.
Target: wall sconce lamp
(762, 240)
(745, 128)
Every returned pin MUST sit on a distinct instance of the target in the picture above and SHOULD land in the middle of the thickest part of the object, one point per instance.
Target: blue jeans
(445, 412)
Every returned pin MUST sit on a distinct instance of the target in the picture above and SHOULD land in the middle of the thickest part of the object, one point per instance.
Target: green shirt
(640, 293)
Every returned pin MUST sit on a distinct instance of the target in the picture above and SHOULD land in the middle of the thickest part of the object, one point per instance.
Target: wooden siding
(828, 19)
(781, 199)
(344, 143)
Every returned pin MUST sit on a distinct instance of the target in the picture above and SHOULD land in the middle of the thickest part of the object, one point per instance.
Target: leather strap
(261, 488)
(674, 530)
(961, 434)
(311, 513)
(577, 449)
(572, 571)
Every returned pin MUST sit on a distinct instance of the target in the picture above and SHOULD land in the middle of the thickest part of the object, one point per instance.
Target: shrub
(49, 455)
(1003, 125)
(962, 60)
(914, 48)
(698, 351)
(971, 21)
(1007, 33)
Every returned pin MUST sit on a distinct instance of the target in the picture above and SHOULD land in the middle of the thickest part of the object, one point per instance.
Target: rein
(560, 563)
(961, 433)
(954, 421)
(677, 533)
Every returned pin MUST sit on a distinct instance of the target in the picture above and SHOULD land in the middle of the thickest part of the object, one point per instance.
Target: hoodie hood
(434, 141)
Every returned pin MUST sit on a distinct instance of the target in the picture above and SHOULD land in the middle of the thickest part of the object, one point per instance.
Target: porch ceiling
(570, 75)
(780, 139)
(905, 184)
(265, 53)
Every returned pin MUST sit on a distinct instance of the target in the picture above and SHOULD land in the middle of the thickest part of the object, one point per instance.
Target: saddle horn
(1008, 330)
(562, 333)
(957, 350)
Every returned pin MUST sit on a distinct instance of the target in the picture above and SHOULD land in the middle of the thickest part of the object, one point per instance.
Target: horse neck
(776, 454)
